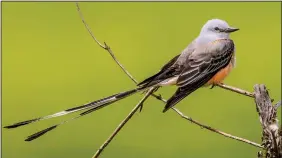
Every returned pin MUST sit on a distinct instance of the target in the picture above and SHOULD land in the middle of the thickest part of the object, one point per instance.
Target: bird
(206, 61)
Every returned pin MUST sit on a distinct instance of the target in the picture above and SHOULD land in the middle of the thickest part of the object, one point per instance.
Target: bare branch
(105, 46)
(119, 127)
(271, 137)
(237, 90)
(87, 27)
(215, 130)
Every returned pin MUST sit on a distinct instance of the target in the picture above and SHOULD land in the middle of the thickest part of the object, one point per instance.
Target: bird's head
(217, 27)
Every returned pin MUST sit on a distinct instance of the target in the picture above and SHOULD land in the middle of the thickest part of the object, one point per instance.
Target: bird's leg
(215, 84)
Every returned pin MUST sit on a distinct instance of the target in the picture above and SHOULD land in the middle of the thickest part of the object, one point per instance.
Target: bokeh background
(50, 63)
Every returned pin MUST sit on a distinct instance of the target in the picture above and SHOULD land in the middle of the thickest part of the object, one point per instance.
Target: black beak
(231, 29)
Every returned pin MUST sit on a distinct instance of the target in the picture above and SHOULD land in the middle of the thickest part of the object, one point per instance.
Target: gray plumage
(210, 52)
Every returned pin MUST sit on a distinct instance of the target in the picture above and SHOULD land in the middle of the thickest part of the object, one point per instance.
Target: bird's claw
(214, 85)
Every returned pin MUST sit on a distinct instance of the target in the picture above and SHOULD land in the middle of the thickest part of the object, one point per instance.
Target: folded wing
(200, 67)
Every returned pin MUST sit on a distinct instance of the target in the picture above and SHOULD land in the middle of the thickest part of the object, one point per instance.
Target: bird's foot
(215, 84)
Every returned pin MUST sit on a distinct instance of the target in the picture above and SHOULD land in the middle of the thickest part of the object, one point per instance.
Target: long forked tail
(90, 110)
(92, 106)
(42, 132)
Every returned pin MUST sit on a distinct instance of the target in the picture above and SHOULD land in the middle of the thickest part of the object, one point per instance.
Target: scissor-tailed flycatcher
(206, 61)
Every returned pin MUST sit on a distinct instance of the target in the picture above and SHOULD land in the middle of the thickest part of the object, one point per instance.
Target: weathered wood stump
(271, 134)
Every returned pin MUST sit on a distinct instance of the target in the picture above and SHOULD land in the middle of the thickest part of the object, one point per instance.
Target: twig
(105, 46)
(119, 127)
(234, 89)
(237, 90)
(217, 131)
(87, 27)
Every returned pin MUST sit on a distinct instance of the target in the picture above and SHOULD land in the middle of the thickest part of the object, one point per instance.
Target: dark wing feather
(167, 71)
(199, 70)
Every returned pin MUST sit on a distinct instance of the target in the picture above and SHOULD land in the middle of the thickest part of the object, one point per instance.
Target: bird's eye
(216, 28)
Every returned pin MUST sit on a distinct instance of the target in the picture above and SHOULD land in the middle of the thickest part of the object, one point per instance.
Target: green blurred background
(50, 63)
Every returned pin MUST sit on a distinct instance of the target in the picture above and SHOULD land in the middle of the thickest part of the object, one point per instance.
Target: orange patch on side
(221, 75)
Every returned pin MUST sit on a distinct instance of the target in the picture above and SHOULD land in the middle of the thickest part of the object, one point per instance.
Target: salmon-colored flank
(220, 76)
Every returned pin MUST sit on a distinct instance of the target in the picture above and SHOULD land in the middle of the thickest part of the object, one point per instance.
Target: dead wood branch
(271, 135)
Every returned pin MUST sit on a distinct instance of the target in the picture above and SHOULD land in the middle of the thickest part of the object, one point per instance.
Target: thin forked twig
(234, 89)
(119, 127)
(217, 131)
(105, 46)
